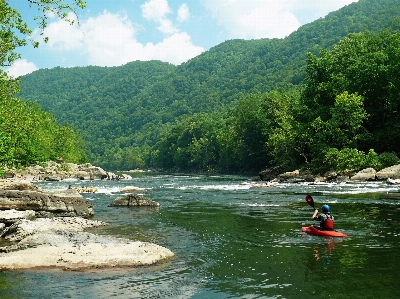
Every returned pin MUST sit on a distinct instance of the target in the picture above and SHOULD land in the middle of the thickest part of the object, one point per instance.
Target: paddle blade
(310, 200)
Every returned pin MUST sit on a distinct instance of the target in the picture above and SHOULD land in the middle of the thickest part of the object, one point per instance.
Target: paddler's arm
(315, 214)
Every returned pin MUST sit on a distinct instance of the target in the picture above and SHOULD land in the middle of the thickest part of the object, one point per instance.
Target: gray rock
(46, 204)
(53, 171)
(133, 200)
(79, 251)
(330, 176)
(12, 216)
(271, 173)
(131, 189)
(125, 176)
(23, 228)
(95, 173)
(368, 174)
(393, 182)
(17, 185)
(392, 172)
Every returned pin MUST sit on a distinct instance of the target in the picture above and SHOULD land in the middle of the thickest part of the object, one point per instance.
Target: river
(235, 241)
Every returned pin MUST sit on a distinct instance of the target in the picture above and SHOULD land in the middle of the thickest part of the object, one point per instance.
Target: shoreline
(62, 242)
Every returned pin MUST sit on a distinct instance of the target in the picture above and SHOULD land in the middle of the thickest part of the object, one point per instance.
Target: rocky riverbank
(276, 175)
(53, 171)
(42, 229)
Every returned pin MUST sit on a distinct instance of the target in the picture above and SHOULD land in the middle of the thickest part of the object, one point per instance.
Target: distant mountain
(117, 106)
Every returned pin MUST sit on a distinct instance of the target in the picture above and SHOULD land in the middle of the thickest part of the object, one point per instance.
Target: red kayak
(312, 230)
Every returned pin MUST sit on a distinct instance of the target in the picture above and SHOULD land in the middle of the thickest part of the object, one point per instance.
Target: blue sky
(115, 32)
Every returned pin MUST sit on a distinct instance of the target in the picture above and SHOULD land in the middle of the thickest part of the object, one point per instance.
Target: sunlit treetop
(14, 32)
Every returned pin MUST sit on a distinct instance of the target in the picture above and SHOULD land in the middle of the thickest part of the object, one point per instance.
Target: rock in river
(133, 200)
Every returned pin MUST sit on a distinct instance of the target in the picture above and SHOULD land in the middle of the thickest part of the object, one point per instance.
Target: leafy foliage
(362, 72)
(28, 134)
(351, 159)
(242, 105)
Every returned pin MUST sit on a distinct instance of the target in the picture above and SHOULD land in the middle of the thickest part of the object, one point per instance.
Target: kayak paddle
(310, 201)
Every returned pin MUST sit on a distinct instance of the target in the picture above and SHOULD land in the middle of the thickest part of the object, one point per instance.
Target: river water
(232, 240)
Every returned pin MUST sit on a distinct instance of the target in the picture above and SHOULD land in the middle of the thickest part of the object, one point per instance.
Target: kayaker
(326, 219)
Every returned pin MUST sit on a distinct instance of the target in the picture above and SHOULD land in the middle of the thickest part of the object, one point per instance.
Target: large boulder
(61, 243)
(392, 172)
(133, 200)
(368, 174)
(46, 204)
(270, 173)
(94, 172)
(69, 250)
(296, 177)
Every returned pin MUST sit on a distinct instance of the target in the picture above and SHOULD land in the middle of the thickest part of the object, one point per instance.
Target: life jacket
(328, 224)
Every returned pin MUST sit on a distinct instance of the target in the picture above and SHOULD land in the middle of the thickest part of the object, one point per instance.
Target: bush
(351, 159)
(388, 159)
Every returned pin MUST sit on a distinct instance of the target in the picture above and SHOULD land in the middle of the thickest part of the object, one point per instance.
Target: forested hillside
(147, 113)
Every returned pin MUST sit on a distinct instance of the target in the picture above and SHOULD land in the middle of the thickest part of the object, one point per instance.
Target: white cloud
(183, 13)
(111, 40)
(62, 36)
(175, 49)
(157, 10)
(267, 18)
(21, 67)
(167, 27)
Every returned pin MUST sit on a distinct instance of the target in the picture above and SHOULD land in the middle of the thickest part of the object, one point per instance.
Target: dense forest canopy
(349, 107)
(244, 105)
(29, 134)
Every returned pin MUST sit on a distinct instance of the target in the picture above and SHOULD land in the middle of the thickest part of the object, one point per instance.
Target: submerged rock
(132, 189)
(133, 200)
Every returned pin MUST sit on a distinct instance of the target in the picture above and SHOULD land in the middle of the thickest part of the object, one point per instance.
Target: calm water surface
(234, 241)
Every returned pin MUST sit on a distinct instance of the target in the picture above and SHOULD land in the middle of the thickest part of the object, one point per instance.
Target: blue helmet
(325, 208)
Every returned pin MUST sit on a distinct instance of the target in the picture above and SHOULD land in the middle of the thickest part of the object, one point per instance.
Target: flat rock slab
(81, 251)
(23, 228)
(11, 216)
(46, 204)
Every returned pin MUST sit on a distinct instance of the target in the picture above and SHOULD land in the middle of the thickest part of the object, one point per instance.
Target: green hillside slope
(126, 106)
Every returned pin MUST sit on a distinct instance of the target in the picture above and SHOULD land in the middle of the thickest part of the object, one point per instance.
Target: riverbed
(233, 239)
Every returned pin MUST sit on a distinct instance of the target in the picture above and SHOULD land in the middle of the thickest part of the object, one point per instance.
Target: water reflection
(322, 253)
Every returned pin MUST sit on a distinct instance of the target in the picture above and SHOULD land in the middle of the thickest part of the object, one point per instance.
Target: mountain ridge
(114, 103)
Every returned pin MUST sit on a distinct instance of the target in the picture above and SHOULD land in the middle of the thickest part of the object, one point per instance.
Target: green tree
(12, 23)
(28, 133)
(365, 64)
(287, 139)
(251, 127)
(341, 130)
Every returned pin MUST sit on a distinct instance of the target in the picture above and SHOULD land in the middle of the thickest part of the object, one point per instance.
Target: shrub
(351, 159)
(388, 159)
